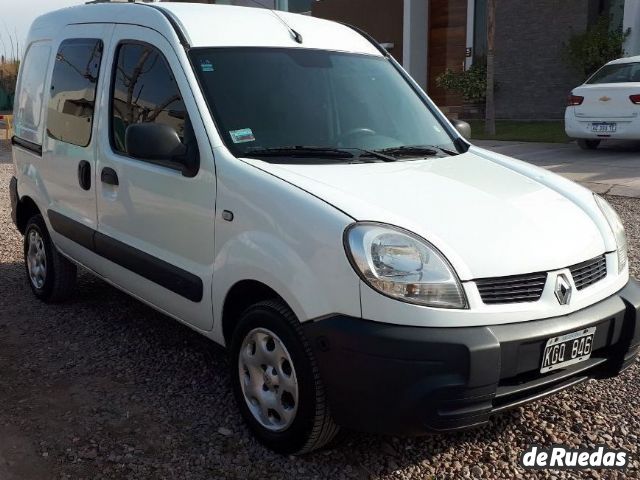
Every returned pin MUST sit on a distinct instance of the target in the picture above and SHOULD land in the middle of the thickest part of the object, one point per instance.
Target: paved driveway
(614, 168)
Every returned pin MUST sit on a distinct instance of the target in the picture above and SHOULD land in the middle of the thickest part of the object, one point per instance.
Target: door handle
(84, 174)
(109, 176)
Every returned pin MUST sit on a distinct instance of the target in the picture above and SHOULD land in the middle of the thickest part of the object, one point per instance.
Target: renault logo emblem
(563, 289)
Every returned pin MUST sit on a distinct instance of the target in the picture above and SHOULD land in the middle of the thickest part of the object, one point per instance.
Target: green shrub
(472, 83)
(599, 44)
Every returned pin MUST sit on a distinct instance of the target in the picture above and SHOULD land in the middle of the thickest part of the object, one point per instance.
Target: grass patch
(551, 132)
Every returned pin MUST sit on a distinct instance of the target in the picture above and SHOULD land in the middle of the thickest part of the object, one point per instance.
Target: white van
(279, 184)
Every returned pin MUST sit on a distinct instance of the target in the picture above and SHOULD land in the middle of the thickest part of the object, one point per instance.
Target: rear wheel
(276, 381)
(585, 144)
(51, 276)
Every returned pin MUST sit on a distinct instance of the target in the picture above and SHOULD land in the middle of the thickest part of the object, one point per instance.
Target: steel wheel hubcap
(268, 379)
(36, 259)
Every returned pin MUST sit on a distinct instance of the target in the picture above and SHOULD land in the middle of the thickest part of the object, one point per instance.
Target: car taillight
(635, 99)
(573, 100)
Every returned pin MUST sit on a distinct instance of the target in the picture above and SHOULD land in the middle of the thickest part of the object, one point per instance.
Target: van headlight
(402, 265)
(617, 228)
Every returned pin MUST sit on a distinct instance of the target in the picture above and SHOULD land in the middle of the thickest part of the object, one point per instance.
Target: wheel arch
(241, 296)
(25, 209)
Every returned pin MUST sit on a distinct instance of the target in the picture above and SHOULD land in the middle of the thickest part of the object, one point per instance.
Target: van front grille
(528, 288)
(513, 289)
(587, 273)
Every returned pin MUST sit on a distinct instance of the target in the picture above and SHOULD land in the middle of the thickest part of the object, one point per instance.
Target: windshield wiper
(300, 151)
(375, 153)
(313, 151)
(412, 150)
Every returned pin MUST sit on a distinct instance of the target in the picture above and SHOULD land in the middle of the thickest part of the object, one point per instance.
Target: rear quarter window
(28, 123)
(73, 91)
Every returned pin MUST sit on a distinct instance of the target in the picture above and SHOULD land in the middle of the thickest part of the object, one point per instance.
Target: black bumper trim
(13, 196)
(402, 380)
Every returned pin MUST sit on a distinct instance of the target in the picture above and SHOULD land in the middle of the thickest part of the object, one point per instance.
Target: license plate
(565, 350)
(604, 127)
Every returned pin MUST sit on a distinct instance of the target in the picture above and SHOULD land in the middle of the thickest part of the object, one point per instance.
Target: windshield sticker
(242, 136)
(206, 66)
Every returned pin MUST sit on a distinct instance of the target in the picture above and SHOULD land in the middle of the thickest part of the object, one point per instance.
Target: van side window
(30, 93)
(144, 91)
(73, 91)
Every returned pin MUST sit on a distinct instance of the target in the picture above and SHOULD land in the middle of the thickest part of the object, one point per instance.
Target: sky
(16, 17)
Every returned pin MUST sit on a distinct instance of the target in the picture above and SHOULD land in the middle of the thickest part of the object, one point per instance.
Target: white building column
(415, 39)
(632, 21)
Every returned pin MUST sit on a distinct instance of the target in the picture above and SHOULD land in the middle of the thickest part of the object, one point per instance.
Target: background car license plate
(604, 127)
(565, 350)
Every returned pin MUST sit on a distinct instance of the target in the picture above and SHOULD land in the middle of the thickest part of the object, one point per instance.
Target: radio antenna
(295, 35)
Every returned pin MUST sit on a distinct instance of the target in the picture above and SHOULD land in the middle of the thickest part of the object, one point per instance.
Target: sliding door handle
(109, 176)
(84, 175)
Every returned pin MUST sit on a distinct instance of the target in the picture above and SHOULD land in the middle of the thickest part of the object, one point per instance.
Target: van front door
(69, 146)
(155, 219)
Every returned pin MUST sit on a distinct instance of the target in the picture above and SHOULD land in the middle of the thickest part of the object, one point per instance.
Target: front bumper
(401, 380)
(13, 195)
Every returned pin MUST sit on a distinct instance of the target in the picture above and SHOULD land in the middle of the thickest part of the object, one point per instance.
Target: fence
(6, 127)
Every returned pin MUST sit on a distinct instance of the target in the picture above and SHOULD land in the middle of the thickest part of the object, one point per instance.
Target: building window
(73, 91)
(296, 6)
(616, 14)
(480, 32)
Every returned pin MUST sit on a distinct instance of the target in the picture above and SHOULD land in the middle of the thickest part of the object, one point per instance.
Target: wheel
(588, 144)
(276, 381)
(51, 276)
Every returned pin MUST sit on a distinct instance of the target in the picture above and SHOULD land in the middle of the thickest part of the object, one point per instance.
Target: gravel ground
(104, 387)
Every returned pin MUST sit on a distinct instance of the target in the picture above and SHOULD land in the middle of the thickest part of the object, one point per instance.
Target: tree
(490, 107)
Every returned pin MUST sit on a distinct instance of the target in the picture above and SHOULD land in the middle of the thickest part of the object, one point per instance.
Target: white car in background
(607, 105)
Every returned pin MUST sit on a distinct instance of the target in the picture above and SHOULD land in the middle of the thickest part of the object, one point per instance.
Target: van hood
(486, 218)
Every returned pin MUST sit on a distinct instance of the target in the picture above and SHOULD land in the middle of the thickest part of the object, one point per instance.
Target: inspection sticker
(206, 66)
(242, 136)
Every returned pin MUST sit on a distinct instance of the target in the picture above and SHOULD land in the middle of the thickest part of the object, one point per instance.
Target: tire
(310, 425)
(56, 282)
(585, 144)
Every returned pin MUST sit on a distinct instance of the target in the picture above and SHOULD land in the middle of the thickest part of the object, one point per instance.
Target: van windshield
(276, 100)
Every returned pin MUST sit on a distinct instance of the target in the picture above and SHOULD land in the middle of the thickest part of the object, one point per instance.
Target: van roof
(211, 25)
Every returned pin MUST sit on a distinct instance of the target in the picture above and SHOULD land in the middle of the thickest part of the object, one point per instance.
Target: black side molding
(169, 276)
(173, 278)
(27, 145)
(76, 231)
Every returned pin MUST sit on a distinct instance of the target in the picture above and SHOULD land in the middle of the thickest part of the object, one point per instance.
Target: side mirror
(153, 141)
(462, 127)
(161, 144)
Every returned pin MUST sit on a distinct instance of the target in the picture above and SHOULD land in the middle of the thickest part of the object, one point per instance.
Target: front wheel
(585, 144)
(276, 381)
